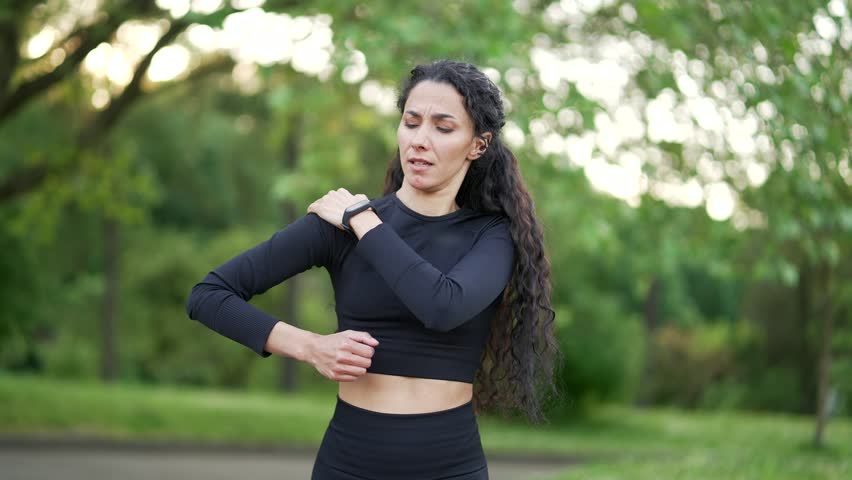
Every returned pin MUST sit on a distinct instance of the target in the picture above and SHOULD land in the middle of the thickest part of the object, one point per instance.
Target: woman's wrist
(289, 341)
(364, 222)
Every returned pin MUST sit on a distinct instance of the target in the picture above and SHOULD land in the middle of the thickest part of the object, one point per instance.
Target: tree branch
(24, 180)
(8, 52)
(85, 41)
(77, 45)
(218, 65)
(107, 117)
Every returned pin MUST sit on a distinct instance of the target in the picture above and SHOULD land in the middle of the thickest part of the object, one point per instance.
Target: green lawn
(618, 442)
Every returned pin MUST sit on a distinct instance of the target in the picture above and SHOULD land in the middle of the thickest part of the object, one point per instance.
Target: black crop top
(425, 287)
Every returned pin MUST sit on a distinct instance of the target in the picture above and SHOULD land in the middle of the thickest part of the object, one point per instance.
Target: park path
(34, 460)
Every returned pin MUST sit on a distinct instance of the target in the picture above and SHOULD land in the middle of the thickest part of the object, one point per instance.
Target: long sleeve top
(426, 287)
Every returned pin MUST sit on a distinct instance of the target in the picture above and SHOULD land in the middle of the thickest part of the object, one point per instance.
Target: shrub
(603, 349)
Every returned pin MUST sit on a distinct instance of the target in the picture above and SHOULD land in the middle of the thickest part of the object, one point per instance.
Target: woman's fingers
(351, 359)
(361, 350)
(362, 337)
(331, 206)
(345, 373)
(352, 370)
(343, 357)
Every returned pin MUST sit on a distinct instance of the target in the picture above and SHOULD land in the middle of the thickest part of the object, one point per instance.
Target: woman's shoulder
(382, 202)
(389, 202)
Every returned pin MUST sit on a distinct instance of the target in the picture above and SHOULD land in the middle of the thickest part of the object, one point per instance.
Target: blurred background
(690, 163)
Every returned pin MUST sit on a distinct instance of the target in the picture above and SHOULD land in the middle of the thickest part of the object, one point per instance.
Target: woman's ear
(480, 145)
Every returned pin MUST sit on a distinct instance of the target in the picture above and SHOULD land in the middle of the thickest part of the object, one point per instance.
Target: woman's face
(435, 138)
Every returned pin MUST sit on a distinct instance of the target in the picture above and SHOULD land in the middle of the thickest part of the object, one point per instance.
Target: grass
(617, 442)
(32, 405)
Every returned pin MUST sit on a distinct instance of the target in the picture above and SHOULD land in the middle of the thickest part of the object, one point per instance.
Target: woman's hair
(518, 362)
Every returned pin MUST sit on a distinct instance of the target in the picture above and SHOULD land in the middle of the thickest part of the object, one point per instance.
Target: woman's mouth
(418, 164)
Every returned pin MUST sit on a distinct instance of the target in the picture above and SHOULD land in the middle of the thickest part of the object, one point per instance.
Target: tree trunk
(291, 151)
(652, 321)
(109, 317)
(827, 315)
(652, 305)
(804, 360)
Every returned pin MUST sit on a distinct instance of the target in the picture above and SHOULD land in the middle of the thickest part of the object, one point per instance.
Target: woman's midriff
(395, 394)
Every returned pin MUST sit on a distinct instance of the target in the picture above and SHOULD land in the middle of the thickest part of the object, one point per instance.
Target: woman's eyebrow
(436, 116)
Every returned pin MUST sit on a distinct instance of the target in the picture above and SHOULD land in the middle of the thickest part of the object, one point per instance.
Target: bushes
(156, 342)
(603, 349)
(719, 365)
(684, 362)
(162, 344)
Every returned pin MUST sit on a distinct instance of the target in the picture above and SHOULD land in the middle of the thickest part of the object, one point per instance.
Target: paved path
(31, 461)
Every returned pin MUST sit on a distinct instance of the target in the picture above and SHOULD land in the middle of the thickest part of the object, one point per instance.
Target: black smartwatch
(353, 210)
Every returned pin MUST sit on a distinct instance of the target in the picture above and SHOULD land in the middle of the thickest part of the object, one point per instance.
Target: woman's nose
(419, 141)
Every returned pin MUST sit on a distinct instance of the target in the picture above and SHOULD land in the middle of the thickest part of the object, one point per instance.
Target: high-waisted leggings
(363, 444)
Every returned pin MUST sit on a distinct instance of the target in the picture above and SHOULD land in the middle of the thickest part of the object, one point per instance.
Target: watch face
(358, 205)
(352, 210)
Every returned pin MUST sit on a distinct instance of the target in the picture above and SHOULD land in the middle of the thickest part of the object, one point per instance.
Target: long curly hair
(517, 365)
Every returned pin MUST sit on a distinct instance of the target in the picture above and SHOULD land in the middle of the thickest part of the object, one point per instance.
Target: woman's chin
(419, 182)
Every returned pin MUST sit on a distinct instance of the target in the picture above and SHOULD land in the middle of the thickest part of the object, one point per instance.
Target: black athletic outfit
(425, 287)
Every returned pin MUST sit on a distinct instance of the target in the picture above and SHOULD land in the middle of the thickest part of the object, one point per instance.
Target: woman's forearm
(220, 300)
(364, 222)
(441, 301)
(290, 341)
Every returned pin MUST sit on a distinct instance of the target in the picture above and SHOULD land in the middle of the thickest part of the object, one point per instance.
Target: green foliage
(698, 365)
(70, 355)
(162, 344)
(603, 350)
(19, 286)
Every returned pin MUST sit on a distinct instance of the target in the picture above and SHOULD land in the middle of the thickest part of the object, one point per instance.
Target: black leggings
(362, 444)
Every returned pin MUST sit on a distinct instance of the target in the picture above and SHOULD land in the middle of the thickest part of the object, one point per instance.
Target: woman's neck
(429, 204)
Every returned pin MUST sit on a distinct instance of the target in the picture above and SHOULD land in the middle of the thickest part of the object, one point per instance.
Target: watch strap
(353, 210)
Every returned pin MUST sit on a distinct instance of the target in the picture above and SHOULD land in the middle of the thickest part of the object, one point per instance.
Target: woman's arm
(220, 300)
(440, 301)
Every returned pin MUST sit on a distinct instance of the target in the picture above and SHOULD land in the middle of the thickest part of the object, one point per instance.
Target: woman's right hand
(343, 356)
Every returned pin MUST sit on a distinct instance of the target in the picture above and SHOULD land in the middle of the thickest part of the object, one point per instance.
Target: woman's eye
(440, 129)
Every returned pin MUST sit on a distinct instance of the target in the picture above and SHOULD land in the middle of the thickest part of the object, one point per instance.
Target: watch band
(353, 210)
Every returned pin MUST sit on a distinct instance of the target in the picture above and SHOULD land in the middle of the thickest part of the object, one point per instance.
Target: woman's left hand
(331, 206)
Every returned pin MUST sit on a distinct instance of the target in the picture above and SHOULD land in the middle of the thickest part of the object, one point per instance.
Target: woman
(441, 281)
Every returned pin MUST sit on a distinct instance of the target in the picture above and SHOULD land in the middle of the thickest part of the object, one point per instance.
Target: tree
(781, 71)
